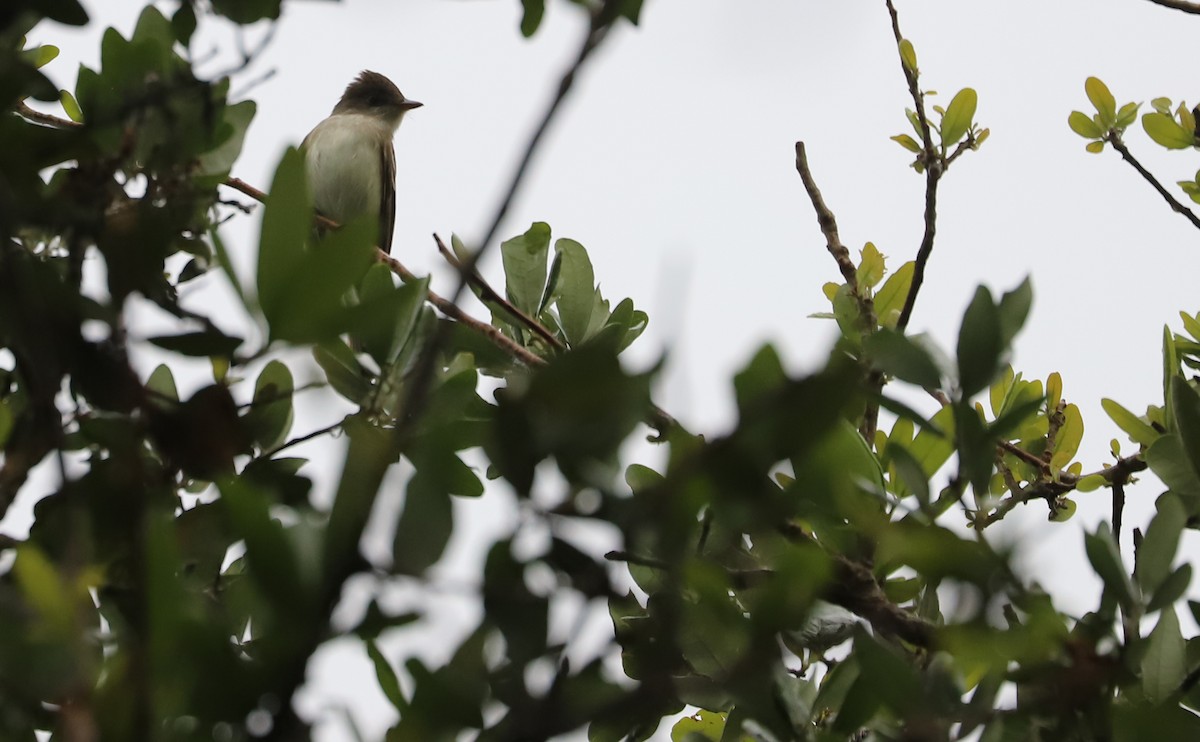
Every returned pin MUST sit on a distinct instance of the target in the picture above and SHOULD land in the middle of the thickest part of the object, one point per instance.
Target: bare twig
(304, 438)
(1114, 139)
(488, 294)
(827, 221)
(1180, 5)
(38, 117)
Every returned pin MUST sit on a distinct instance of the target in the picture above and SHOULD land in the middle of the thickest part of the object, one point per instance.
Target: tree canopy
(820, 570)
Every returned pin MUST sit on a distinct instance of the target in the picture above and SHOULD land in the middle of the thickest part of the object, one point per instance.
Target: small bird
(350, 158)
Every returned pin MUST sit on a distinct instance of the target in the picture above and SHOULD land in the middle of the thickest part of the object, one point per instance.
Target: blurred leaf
(345, 374)
(1106, 560)
(980, 344)
(247, 11)
(388, 682)
(285, 227)
(1163, 666)
(237, 116)
(269, 419)
(1066, 444)
(203, 344)
(895, 354)
(1171, 589)
(1157, 550)
(424, 528)
(532, 16)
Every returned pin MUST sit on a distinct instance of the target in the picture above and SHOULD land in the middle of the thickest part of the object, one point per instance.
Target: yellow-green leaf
(1166, 131)
(891, 296)
(70, 105)
(1083, 125)
(1091, 483)
(1053, 390)
(908, 55)
(1137, 429)
(907, 142)
(1100, 96)
(1095, 147)
(871, 266)
(1069, 437)
(960, 114)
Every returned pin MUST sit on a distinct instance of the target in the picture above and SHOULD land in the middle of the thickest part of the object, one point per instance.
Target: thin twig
(304, 438)
(1117, 475)
(1118, 509)
(1180, 5)
(933, 173)
(1114, 139)
(29, 114)
(826, 221)
(488, 294)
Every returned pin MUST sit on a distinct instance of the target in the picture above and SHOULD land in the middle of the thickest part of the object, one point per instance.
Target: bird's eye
(375, 101)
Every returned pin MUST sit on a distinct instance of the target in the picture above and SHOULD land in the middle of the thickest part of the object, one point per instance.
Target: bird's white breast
(343, 160)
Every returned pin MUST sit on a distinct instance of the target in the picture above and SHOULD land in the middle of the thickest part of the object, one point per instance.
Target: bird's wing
(387, 198)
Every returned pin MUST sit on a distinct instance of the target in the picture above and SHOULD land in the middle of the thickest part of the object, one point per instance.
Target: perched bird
(350, 158)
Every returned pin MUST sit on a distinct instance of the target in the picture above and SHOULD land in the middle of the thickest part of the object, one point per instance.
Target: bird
(350, 159)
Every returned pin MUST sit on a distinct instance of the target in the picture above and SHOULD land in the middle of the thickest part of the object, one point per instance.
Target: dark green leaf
(980, 344)
(897, 355)
(574, 290)
(525, 269)
(1157, 550)
(424, 528)
(271, 413)
(204, 344)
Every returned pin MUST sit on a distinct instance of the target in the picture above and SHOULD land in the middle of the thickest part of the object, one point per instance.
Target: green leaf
(703, 725)
(1166, 131)
(1084, 125)
(1171, 589)
(1066, 444)
(203, 344)
(960, 114)
(219, 161)
(907, 142)
(386, 677)
(247, 11)
(1157, 550)
(70, 106)
(575, 289)
(980, 344)
(1164, 664)
(424, 528)
(345, 374)
(889, 301)
(1139, 431)
(532, 16)
(1014, 309)
(287, 220)
(1106, 561)
(524, 259)
(908, 55)
(897, 355)
(1184, 405)
(271, 413)
(1102, 99)
(1095, 147)
(871, 266)
(370, 452)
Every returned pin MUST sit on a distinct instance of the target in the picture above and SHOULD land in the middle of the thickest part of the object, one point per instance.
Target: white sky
(673, 164)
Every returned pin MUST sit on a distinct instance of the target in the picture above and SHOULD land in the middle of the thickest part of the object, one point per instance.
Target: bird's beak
(408, 105)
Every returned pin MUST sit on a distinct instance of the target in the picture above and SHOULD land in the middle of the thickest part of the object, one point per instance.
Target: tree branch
(1114, 139)
(826, 221)
(933, 173)
(1180, 5)
(488, 294)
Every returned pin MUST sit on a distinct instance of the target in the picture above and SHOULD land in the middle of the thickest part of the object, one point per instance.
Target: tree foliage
(784, 579)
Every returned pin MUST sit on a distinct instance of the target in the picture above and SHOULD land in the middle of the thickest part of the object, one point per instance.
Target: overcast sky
(673, 163)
